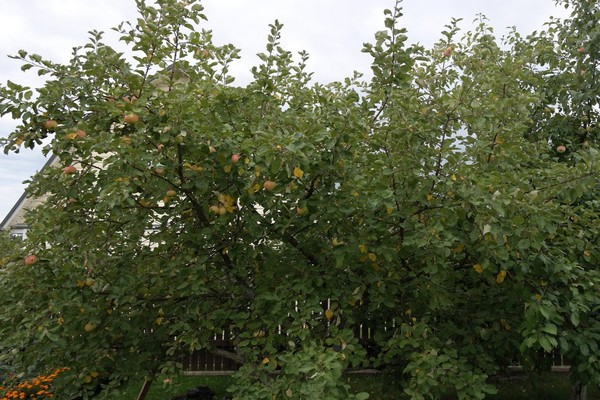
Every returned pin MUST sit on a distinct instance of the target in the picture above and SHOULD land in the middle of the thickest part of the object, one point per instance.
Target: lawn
(384, 387)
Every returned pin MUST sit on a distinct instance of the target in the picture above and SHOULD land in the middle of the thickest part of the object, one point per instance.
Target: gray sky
(332, 31)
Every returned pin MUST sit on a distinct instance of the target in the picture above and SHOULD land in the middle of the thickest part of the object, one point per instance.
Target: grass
(384, 387)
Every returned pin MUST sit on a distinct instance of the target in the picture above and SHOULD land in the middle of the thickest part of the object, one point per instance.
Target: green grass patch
(160, 391)
(385, 387)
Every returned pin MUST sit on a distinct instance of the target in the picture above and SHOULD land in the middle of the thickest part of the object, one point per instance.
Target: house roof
(15, 217)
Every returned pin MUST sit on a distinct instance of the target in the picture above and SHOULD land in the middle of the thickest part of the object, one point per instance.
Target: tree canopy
(449, 202)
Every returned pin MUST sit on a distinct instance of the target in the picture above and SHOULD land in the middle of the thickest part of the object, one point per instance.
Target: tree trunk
(579, 391)
(144, 390)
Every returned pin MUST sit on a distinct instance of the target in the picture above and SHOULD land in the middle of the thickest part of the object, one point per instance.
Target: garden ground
(554, 386)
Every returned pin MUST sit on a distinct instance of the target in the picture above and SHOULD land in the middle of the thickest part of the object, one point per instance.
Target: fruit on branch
(50, 125)
(131, 119)
(69, 170)
(269, 185)
(31, 259)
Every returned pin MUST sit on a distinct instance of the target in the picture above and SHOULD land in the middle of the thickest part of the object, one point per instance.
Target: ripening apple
(269, 185)
(581, 49)
(302, 210)
(69, 169)
(171, 193)
(50, 124)
(203, 53)
(89, 327)
(81, 134)
(131, 118)
(31, 259)
(235, 158)
(561, 149)
(447, 52)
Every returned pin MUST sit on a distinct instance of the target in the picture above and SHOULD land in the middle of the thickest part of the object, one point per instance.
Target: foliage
(430, 203)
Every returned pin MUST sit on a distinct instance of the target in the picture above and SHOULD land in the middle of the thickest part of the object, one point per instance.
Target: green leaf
(550, 328)
(545, 343)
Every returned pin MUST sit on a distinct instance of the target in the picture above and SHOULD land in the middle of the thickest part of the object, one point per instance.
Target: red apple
(581, 49)
(561, 149)
(447, 52)
(31, 259)
(235, 158)
(269, 185)
(50, 124)
(131, 118)
(70, 169)
(81, 134)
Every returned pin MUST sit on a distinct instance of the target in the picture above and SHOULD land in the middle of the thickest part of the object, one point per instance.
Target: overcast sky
(332, 31)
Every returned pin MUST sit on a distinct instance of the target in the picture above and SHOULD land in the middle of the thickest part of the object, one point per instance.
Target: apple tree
(568, 56)
(429, 203)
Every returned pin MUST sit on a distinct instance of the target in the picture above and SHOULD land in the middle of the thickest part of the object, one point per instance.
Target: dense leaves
(432, 204)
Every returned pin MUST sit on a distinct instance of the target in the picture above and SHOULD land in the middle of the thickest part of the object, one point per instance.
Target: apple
(70, 169)
(235, 158)
(561, 149)
(203, 53)
(269, 185)
(171, 193)
(31, 259)
(159, 171)
(89, 327)
(81, 134)
(581, 49)
(302, 210)
(131, 118)
(447, 52)
(50, 124)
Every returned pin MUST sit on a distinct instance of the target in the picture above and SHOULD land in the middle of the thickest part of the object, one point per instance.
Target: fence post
(579, 391)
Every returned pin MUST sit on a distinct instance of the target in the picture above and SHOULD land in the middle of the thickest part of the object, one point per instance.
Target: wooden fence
(204, 362)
